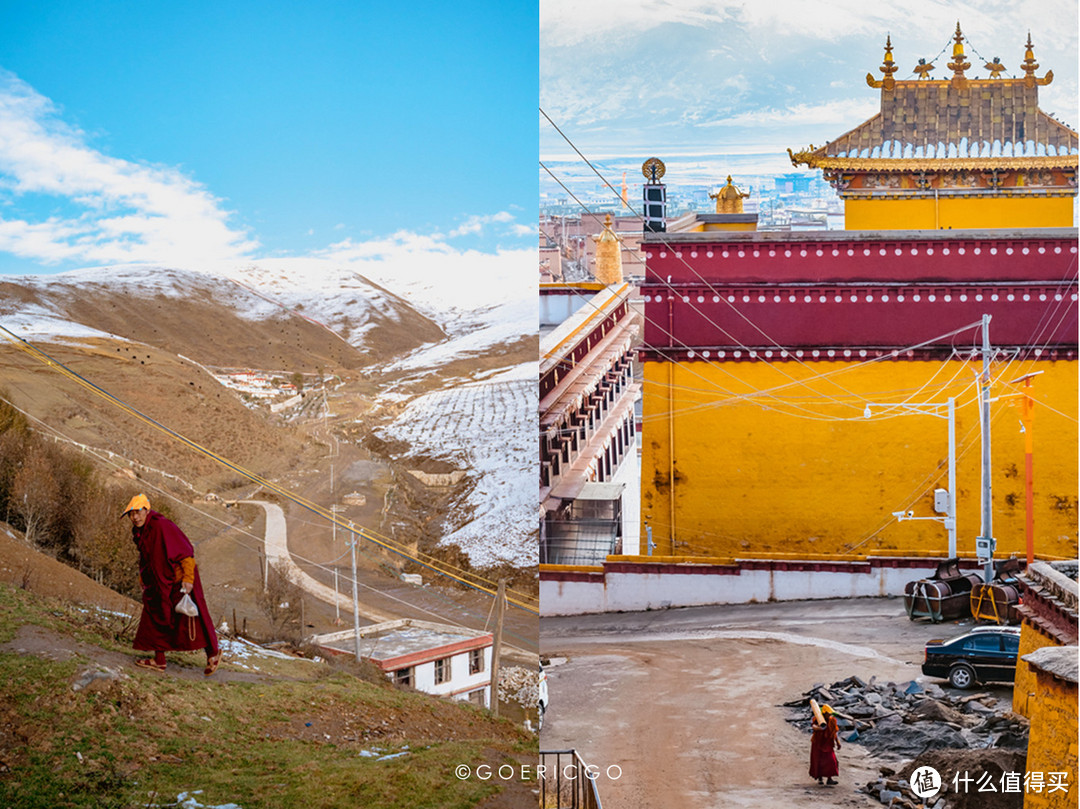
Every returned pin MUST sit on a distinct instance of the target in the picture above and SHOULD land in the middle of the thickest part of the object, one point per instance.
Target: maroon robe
(823, 763)
(161, 546)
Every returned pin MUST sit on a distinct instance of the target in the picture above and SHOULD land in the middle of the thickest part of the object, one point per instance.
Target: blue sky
(712, 86)
(198, 131)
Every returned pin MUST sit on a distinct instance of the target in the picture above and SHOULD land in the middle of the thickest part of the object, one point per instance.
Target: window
(476, 661)
(983, 643)
(403, 676)
(477, 698)
(442, 670)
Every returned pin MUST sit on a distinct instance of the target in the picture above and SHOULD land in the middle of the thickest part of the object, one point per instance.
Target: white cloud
(838, 113)
(120, 211)
(644, 76)
(437, 276)
(477, 223)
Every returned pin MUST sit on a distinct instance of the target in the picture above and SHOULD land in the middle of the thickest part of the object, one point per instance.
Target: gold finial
(959, 63)
(729, 198)
(1030, 66)
(958, 39)
(888, 66)
(923, 69)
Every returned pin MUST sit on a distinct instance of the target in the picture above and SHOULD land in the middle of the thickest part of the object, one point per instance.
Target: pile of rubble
(520, 685)
(925, 725)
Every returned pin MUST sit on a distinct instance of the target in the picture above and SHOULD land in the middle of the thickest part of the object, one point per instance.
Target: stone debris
(97, 678)
(519, 684)
(920, 721)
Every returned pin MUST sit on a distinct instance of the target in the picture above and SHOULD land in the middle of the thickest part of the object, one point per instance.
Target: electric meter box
(941, 501)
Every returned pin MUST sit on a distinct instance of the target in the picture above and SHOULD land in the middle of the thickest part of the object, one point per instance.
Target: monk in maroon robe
(167, 571)
(823, 763)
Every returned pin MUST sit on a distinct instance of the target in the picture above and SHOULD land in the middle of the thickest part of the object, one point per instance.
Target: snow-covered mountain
(465, 346)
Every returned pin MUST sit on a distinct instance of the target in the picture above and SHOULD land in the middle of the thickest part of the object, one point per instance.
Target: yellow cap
(827, 709)
(137, 502)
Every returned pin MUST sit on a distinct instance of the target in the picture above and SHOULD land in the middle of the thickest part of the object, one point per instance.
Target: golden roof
(955, 122)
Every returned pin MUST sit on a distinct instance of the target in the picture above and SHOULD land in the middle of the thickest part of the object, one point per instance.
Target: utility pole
(496, 644)
(355, 597)
(950, 522)
(984, 545)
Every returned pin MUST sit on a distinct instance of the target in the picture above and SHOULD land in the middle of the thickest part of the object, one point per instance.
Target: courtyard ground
(688, 703)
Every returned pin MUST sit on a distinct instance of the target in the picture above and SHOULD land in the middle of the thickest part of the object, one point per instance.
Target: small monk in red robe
(823, 763)
(167, 571)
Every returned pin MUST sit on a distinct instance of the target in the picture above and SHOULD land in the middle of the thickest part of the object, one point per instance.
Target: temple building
(956, 152)
(796, 385)
(588, 438)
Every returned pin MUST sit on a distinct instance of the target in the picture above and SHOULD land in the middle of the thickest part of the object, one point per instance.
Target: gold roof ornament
(995, 68)
(653, 169)
(806, 156)
(959, 61)
(888, 67)
(608, 255)
(729, 198)
(953, 123)
(1030, 66)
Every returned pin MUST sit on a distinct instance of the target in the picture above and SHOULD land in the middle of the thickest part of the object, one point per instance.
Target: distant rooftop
(406, 642)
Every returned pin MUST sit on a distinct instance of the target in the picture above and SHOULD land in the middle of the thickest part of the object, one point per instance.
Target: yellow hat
(137, 502)
(827, 709)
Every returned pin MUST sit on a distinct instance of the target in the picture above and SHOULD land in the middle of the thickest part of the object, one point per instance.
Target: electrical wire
(471, 580)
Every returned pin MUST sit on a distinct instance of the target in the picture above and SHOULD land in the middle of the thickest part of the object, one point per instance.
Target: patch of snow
(488, 428)
(187, 800)
(505, 323)
(243, 653)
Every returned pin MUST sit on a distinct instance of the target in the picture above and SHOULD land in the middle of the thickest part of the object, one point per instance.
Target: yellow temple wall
(926, 213)
(801, 470)
(1052, 745)
(741, 226)
(1031, 640)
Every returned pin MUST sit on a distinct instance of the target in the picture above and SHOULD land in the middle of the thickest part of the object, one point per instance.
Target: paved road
(688, 701)
(277, 553)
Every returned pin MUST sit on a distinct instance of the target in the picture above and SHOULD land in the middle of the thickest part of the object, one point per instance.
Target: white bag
(187, 607)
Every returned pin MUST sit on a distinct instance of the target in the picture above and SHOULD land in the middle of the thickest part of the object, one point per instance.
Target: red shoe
(212, 663)
(147, 663)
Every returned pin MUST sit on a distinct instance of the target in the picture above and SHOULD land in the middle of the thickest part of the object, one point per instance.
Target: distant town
(794, 201)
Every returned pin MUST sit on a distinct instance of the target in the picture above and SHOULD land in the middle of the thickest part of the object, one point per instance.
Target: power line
(474, 581)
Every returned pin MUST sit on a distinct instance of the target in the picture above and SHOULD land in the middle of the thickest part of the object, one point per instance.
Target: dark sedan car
(985, 654)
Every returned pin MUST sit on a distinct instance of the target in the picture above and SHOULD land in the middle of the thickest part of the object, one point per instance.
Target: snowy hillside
(488, 428)
(413, 316)
(333, 298)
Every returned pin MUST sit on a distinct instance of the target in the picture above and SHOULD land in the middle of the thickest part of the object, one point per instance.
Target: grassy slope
(293, 737)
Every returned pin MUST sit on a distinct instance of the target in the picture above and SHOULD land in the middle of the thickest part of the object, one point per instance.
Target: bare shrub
(280, 602)
(102, 544)
(34, 494)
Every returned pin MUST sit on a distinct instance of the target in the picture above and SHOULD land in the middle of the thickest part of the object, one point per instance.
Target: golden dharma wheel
(653, 169)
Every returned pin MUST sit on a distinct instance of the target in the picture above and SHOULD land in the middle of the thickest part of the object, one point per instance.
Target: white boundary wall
(635, 586)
